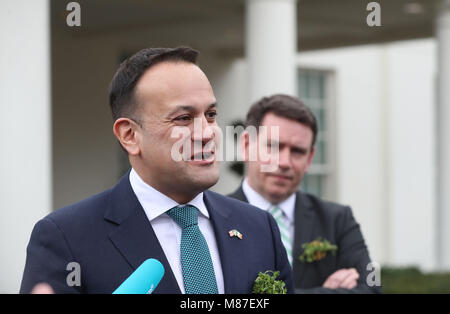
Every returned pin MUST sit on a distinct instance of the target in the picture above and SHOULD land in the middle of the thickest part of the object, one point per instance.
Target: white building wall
(385, 145)
(442, 32)
(412, 154)
(25, 158)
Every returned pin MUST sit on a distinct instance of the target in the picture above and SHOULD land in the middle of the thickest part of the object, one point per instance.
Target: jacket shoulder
(323, 207)
(85, 210)
(236, 206)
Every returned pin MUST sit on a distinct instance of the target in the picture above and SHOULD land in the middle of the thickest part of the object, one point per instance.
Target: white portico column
(25, 128)
(443, 142)
(271, 46)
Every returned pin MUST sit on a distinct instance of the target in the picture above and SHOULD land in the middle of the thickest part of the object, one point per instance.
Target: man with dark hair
(303, 219)
(161, 208)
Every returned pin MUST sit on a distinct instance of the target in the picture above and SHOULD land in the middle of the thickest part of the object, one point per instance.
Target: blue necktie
(196, 263)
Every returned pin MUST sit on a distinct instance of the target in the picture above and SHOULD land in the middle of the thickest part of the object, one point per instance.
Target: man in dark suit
(302, 218)
(161, 208)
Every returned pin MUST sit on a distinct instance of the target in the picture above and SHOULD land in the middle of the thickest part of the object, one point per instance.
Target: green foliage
(412, 280)
(317, 250)
(267, 284)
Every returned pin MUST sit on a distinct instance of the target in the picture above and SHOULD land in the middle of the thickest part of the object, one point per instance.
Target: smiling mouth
(205, 157)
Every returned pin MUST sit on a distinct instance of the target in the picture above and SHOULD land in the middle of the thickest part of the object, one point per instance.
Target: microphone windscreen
(144, 279)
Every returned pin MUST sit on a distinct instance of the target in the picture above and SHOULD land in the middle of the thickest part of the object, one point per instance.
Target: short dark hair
(123, 84)
(284, 106)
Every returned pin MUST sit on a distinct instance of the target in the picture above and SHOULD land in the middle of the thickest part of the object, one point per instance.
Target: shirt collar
(254, 198)
(156, 203)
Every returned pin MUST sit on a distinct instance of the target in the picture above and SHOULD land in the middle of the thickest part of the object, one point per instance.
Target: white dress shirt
(287, 206)
(155, 205)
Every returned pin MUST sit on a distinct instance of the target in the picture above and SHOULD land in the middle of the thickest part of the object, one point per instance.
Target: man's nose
(203, 131)
(284, 158)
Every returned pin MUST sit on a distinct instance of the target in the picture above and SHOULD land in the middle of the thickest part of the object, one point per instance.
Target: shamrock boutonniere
(317, 250)
(266, 283)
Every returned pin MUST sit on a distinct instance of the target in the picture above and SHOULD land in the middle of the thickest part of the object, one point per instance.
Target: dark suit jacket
(109, 235)
(316, 218)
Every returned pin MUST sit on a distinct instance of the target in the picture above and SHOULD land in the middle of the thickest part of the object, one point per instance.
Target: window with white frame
(314, 90)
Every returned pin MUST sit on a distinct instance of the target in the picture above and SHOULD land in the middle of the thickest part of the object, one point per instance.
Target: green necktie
(277, 213)
(196, 263)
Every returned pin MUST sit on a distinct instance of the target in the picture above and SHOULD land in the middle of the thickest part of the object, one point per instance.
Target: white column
(443, 147)
(409, 122)
(271, 46)
(25, 128)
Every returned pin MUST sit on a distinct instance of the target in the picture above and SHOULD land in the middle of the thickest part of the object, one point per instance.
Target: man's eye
(183, 118)
(298, 151)
(211, 115)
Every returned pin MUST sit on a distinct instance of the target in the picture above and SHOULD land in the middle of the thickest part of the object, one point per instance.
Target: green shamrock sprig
(266, 283)
(317, 250)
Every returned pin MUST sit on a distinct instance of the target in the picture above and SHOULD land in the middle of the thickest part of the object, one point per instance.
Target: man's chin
(278, 195)
(204, 179)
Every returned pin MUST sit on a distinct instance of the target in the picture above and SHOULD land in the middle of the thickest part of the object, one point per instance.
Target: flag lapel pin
(235, 233)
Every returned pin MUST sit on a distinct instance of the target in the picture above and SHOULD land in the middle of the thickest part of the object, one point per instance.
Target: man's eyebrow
(295, 147)
(182, 108)
(190, 108)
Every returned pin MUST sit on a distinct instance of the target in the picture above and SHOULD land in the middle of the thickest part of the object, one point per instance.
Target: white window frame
(329, 169)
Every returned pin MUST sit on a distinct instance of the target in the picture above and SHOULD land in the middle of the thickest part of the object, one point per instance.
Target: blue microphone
(144, 279)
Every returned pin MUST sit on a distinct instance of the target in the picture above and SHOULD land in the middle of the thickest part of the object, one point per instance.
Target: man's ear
(244, 146)
(310, 157)
(125, 131)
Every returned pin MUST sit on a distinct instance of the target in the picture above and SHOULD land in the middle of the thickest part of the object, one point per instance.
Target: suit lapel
(304, 222)
(303, 219)
(134, 237)
(230, 248)
(239, 194)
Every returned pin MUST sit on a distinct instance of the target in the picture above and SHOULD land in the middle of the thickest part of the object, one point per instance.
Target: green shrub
(412, 280)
